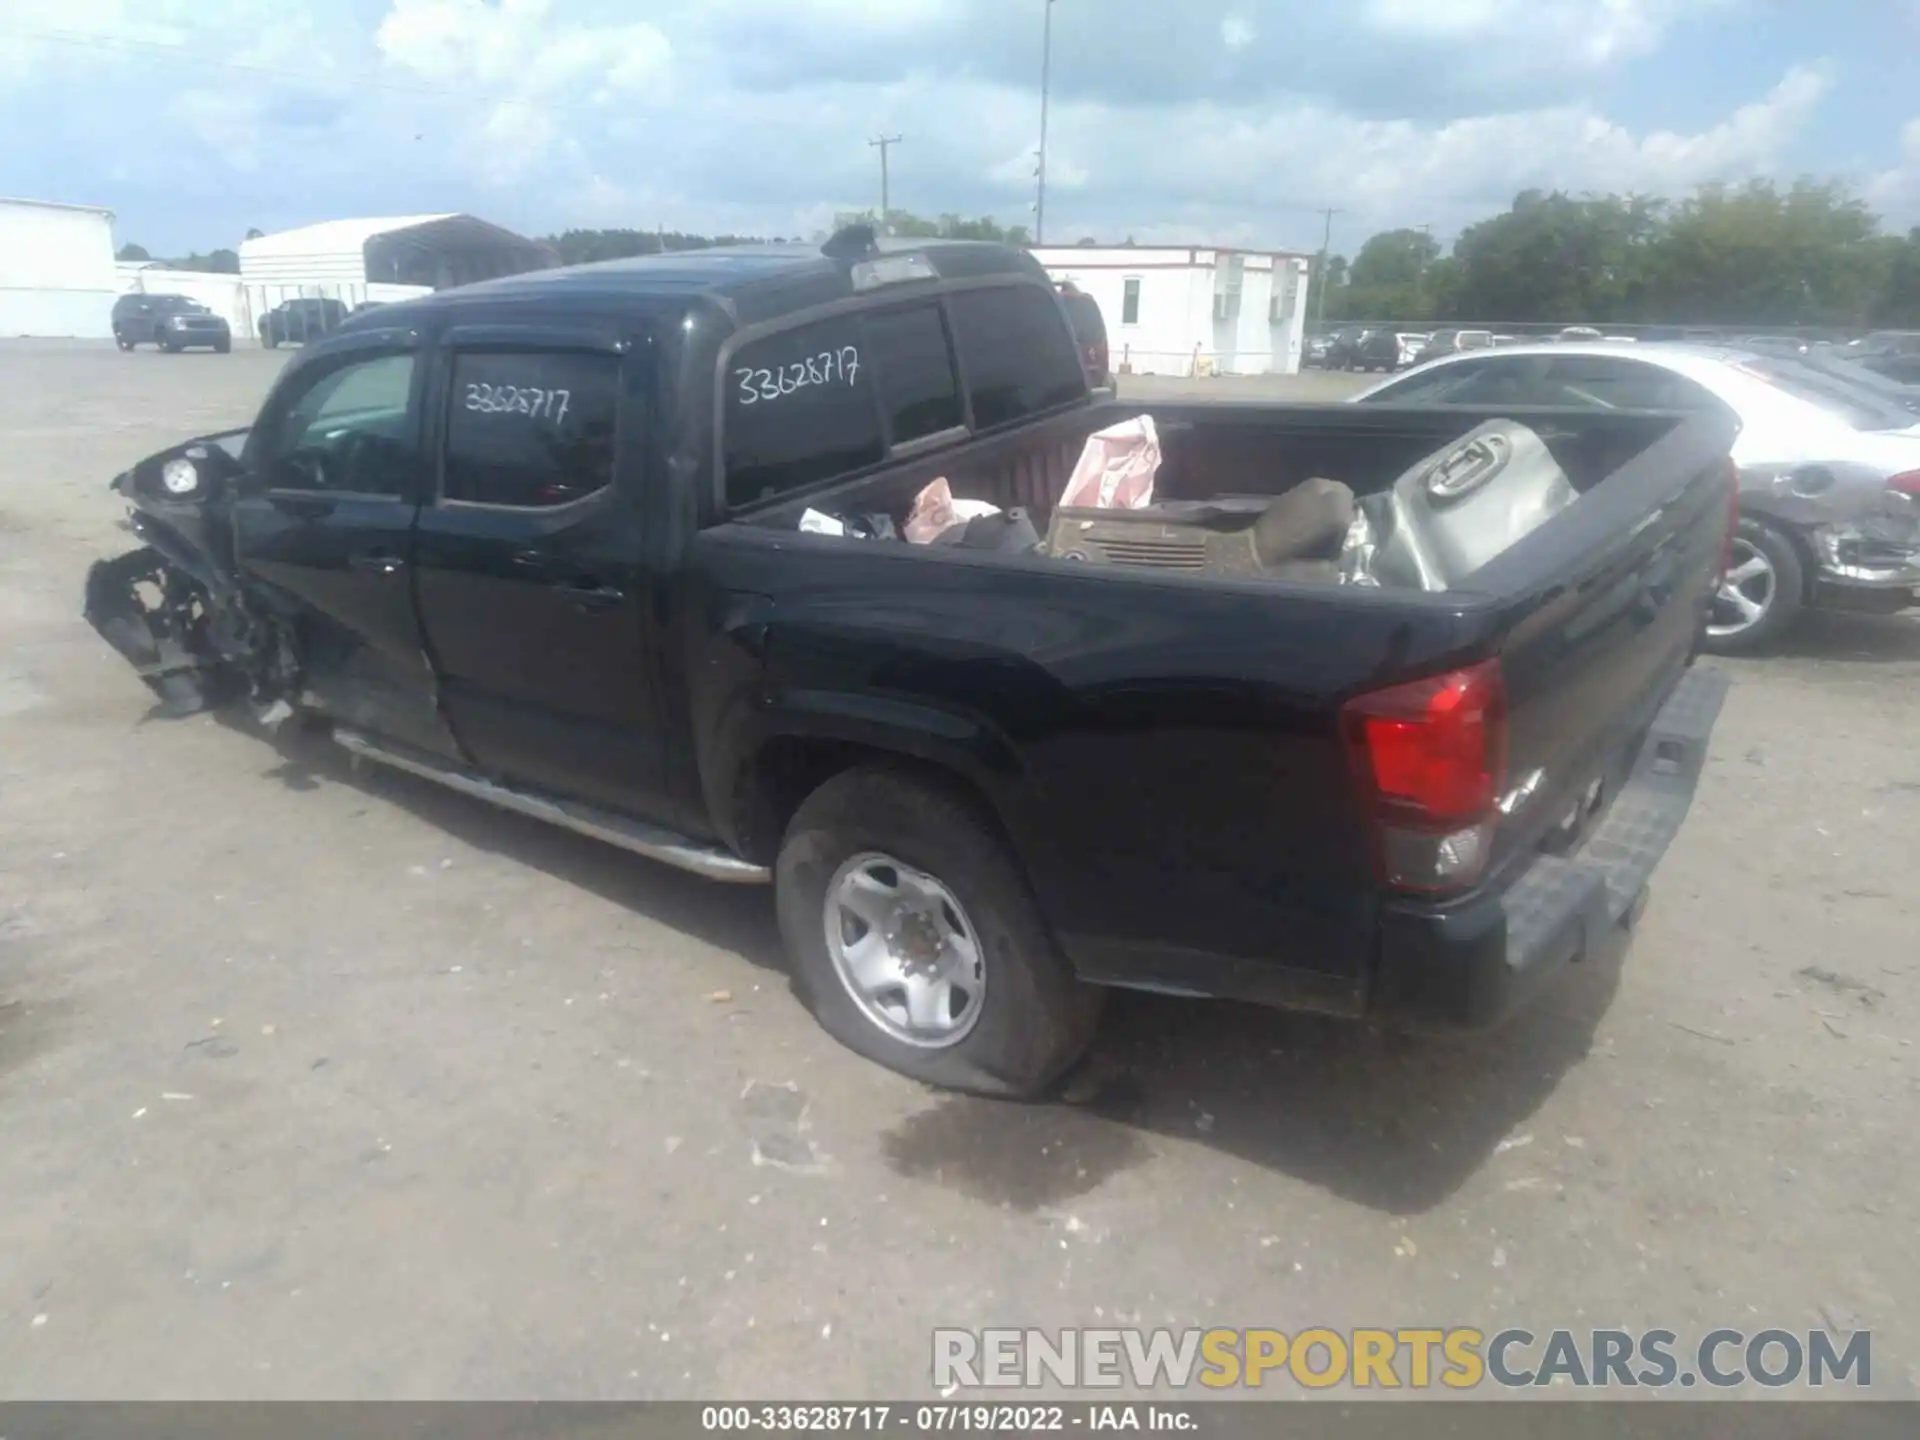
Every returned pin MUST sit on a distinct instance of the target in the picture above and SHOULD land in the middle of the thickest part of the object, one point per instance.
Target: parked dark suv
(304, 319)
(173, 322)
(1378, 350)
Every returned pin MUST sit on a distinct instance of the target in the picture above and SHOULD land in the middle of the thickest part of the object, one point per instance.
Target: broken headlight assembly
(180, 477)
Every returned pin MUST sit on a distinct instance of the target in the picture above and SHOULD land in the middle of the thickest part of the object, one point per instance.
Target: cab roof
(752, 283)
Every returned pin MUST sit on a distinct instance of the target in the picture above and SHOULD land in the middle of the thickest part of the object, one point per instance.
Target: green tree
(1899, 300)
(1556, 257)
(907, 225)
(132, 252)
(1388, 277)
(1756, 254)
(218, 262)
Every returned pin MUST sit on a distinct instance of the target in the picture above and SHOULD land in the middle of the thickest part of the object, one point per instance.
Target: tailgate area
(1467, 966)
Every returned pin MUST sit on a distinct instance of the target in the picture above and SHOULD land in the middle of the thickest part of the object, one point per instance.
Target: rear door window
(799, 408)
(530, 429)
(1017, 353)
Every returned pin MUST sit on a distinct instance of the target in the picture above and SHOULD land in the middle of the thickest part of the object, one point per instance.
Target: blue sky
(1226, 121)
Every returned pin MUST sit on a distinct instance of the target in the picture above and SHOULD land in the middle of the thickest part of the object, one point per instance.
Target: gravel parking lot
(322, 1084)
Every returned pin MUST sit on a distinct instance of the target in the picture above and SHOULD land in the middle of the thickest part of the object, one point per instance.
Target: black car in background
(1894, 354)
(172, 322)
(1314, 351)
(1343, 347)
(1453, 342)
(1362, 347)
(1089, 332)
(1378, 350)
(300, 320)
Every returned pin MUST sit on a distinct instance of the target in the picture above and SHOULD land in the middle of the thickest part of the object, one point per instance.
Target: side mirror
(187, 474)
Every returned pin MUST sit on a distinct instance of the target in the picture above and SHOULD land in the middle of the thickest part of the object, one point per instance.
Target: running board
(708, 861)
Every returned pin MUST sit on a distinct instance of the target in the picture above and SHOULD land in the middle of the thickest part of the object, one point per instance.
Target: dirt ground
(317, 1084)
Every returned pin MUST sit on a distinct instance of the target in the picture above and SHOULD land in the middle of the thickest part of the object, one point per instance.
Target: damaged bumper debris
(195, 647)
(174, 608)
(1880, 551)
(193, 638)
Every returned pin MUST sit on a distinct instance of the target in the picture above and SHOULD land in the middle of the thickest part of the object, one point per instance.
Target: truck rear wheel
(915, 940)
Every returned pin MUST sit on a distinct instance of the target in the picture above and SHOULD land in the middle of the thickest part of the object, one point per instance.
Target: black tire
(123, 342)
(270, 339)
(1787, 594)
(167, 347)
(221, 347)
(1035, 1019)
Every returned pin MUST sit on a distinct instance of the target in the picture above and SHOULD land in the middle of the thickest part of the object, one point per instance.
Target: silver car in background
(1829, 468)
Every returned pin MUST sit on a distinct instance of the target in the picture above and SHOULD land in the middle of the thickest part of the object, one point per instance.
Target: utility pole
(1320, 279)
(883, 143)
(1046, 78)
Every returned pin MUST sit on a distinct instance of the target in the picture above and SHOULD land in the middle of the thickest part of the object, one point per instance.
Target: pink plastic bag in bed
(935, 510)
(1116, 469)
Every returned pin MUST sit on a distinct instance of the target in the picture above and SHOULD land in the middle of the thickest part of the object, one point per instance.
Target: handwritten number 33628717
(535, 404)
(829, 367)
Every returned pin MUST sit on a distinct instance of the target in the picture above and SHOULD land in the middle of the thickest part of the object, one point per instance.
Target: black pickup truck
(543, 540)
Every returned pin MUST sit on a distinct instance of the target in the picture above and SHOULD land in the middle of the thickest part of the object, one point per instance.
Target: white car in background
(1829, 468)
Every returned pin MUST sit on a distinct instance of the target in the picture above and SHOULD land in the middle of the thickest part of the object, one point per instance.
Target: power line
(1326, 245)
(884, 143)
(1040, 170)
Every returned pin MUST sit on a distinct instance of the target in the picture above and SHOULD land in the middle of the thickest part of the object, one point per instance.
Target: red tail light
(1431, 758)
(1733, 517)
(1907, 484)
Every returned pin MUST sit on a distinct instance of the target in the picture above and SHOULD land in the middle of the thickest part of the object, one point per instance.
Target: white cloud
(753, 116)
(1594, 32)
(1895, 192)
(1383, 172)
(521, 45)
(535, 73)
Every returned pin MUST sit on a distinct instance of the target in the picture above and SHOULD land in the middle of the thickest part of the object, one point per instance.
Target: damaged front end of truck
(176, 607)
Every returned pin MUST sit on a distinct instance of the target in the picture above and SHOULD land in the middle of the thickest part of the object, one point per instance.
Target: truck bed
(1234, 449)
(1096, 708)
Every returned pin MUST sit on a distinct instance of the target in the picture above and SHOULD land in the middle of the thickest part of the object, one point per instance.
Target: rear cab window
(800, 408)
(826, 399)
(1019, 359)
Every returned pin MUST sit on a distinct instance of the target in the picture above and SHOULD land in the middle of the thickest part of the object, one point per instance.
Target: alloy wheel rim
(1746, 591)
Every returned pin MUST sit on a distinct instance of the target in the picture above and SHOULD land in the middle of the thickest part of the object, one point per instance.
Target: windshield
(1851, 401)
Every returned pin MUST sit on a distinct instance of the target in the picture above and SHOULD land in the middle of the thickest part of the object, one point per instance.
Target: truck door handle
(590, 595)
(377, 562)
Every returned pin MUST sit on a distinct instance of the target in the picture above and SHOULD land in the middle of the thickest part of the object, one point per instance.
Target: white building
(1189, 310)
(393, 257)
(56, 270)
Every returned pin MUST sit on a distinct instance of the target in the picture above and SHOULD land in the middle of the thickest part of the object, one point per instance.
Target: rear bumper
(1468, 966)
